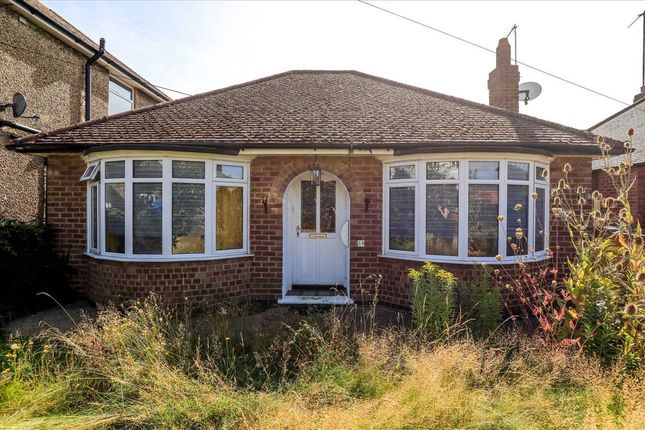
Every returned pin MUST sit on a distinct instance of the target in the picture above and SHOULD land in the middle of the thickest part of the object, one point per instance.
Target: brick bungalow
(286, 186)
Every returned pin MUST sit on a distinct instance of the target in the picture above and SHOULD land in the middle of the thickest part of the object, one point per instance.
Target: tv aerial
(529, 91)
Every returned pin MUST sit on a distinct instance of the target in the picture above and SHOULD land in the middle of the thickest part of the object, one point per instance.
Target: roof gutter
(88, 78)
(89, 48)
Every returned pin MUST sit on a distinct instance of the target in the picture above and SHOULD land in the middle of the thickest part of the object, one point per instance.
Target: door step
(317, 290)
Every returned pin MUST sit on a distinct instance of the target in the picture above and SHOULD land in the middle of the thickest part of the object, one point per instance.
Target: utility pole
(643, 73)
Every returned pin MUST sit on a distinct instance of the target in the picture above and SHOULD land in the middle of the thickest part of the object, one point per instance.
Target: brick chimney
(504, 80)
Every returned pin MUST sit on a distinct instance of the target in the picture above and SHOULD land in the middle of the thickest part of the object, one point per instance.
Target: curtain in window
(229, 217)
(442, 219)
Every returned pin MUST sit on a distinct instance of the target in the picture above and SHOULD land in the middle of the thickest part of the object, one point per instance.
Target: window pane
(518, 171)
(517, 217)
(541, 173)
(229, 218)
(115, 169)
(87, 174)
(328, 206)
(483, 170)
(120, 90)
(442, 219)
(147, 169)
(483, 209)
(117, 104)
(230, 172)
(188, 216)
(188, 169)
(442, 170)
(540, 221)
(307, 206)
(94, 216)
(146, 218)
(115, 218)
(402, 172)
(402, 218)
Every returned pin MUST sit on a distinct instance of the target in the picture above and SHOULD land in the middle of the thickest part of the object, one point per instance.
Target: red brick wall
(602, 182)
(195, 283)
(260, 276)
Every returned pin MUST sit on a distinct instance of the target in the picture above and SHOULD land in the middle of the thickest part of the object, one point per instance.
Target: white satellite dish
(529, 91)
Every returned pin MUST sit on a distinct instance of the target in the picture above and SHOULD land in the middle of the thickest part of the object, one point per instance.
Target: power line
(51, 57)
(476, 45)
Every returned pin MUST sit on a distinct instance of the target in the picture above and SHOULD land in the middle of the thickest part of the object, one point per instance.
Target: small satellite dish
(529, 91)
(19, 105)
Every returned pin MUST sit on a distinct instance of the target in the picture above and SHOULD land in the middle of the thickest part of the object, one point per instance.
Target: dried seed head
(580, 190)
(517, 207)
(498, 257)
(600, 140)
(567, 168)
(630, 309)
(534, 196)
(500, 218)
(630, 132)
(596, 195)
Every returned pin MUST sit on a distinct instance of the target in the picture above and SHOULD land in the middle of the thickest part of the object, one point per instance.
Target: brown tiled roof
(325, 109)
(86, 40)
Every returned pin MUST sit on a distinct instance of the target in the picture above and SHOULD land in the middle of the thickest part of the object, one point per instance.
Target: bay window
(167, 209)
(470, 210)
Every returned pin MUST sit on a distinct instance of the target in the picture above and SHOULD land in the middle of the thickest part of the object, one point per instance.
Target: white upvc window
(465, 209)
(120, 97)
(154, 208)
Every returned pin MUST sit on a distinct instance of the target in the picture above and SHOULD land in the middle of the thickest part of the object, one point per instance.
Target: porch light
(315, 174)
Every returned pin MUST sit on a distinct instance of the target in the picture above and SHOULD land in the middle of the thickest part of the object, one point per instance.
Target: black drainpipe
(88, 78)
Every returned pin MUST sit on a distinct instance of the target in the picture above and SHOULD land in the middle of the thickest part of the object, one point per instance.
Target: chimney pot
(504, 80)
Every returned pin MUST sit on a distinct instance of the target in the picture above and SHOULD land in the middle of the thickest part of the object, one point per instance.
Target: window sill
(166, 259)
(488, 261)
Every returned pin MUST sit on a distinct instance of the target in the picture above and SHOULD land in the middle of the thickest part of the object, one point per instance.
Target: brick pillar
(504, 80)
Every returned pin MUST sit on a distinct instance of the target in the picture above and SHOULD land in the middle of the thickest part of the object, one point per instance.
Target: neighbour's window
(471, 210)
(168, 208)
(120, 98)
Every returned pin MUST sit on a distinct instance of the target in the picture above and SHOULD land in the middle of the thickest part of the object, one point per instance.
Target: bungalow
(280, 188)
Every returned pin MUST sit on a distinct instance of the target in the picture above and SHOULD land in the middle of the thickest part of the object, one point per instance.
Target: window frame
(464, 182)
(166, 180)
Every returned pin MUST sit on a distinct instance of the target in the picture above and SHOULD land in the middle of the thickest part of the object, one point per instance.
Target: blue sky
(199, 46)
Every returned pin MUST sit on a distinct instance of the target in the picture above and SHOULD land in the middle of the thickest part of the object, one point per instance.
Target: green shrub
(28, 266)
(481, 305)
(433, 303)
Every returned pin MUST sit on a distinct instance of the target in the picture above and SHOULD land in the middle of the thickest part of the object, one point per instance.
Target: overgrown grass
(146, 367)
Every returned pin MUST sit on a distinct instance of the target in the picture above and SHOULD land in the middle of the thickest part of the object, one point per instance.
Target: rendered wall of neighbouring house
(259, 276)
(50, 74)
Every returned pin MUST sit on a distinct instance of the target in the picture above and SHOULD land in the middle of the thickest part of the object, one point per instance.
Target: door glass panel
(517, 220)
(229, 217)
(328, 207)
(307, 206)
(483, 209)
(402, 218)
(442, 219)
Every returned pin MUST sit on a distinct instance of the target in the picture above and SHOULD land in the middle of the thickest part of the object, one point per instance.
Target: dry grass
(144, 369)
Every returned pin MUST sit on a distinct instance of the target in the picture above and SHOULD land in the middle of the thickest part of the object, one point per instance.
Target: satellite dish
(19, 105)
(529, 91)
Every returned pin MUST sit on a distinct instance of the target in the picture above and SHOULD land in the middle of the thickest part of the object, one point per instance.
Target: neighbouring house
(43, 57)
(288, 187)
(616, 126)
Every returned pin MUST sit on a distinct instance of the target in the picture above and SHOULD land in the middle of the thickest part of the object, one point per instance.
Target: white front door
(317, 231)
